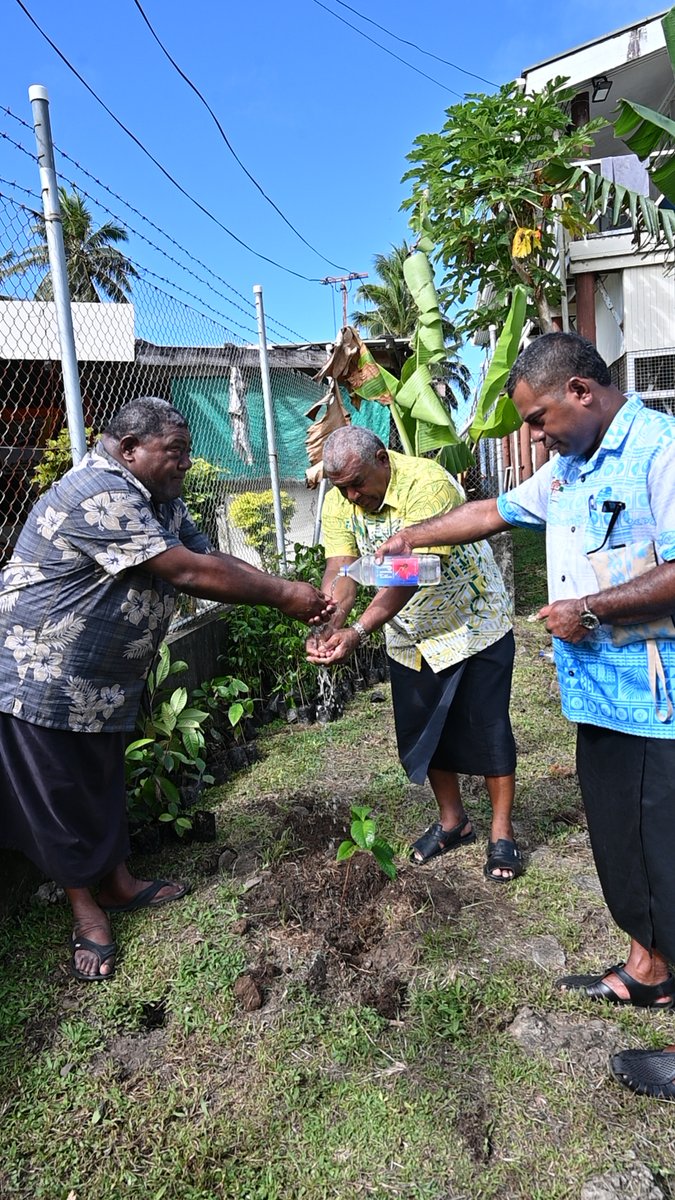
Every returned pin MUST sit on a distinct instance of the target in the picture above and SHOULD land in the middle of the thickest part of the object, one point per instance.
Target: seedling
(364, 840)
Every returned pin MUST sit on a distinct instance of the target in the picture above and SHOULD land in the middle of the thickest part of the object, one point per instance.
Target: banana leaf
(456, 459)
(496, 414)
(419, 277)
(649, 129)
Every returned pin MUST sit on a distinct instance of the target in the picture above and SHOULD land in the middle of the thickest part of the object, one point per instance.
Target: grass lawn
(408, 1040)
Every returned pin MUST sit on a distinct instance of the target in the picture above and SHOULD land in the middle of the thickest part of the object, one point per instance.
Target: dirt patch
(341, 929)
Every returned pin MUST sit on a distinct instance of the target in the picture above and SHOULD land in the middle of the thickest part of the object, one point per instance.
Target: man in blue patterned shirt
(607, 502)
(85, 601)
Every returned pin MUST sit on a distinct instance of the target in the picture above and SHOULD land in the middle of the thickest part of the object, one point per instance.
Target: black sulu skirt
(63, 800)
(628, 786)
(456, 719)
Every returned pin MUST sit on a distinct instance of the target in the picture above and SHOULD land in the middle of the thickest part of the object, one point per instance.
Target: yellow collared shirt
(468, 610)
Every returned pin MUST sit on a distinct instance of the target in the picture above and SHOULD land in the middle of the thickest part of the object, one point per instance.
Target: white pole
(269, 425)
(323, 487)
(39, 99)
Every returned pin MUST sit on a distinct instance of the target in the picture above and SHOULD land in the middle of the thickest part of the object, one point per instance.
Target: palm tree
(393, 310)
(393, 313)
(96, 269)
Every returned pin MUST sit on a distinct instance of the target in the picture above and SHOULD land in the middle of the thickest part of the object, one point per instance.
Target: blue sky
(321, 117)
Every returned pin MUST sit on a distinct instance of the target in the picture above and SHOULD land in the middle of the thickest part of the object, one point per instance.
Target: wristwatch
(587, 618)
(361, 633)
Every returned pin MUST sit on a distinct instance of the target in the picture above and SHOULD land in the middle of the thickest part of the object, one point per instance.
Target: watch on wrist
(587, 618)
(360, 632)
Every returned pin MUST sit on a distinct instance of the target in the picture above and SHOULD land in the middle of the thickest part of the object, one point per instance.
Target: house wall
(649, 306)
(103, 332)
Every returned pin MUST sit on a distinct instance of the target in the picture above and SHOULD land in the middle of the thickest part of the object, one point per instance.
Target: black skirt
(456, 719)
(628, 786)
(63, 801)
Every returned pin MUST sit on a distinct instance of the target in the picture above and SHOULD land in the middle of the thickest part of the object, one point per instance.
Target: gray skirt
(63, 801)
(628, 787)
(456, 719)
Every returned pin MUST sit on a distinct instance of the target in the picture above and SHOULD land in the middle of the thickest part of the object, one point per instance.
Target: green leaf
(162, 668)
(506, 352)
(363, 833)
(345, 850)
(178, 699)
(235, 713)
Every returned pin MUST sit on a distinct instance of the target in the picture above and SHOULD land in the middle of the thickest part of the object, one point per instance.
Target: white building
(623, 299)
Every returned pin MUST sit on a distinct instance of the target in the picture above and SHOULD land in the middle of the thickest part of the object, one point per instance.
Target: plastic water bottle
(412, 570)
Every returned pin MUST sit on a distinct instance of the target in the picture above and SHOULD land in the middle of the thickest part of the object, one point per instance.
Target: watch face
(589, 620)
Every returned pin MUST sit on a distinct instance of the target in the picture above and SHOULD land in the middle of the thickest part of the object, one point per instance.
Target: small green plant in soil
(365, 840)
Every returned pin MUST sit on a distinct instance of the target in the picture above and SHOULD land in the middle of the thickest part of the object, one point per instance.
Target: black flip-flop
(103, 953)
(146, 897)
(647, 1072)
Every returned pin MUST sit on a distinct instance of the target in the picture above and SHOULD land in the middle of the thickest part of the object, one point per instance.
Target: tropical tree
(96, 269)
(393, 311)
(493, 188)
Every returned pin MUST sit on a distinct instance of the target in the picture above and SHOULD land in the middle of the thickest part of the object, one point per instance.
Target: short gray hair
(348, 442)
(146, 417)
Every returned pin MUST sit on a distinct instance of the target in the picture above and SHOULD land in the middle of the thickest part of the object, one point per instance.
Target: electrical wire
(247, 329)
(229, 145)
(167, 174)
(381, 47)
(446, 62)
(271, 321)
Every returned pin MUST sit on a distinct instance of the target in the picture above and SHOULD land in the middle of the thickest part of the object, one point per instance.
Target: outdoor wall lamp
(602, 86)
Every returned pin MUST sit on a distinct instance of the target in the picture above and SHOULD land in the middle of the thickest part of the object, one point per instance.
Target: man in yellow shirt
(450, 647)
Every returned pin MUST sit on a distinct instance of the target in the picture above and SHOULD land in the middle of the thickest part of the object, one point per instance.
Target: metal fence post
(269, 425)
(39, 99)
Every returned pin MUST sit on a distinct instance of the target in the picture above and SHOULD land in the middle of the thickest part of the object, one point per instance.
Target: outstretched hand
(306, 603)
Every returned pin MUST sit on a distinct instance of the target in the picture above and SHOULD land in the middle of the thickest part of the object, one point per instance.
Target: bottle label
(397, 572)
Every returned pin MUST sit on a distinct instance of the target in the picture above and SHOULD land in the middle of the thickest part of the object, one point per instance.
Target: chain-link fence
(158, 344)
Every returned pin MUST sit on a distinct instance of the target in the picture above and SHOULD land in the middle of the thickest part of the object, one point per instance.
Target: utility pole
(343, 280)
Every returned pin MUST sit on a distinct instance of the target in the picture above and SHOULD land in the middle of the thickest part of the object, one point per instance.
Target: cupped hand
(332, 649)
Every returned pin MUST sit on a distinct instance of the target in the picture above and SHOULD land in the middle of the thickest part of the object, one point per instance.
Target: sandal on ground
(640, 995)
(103, 953)
(647, 1072)
(146, 897)
(503, 855)
(436, 840)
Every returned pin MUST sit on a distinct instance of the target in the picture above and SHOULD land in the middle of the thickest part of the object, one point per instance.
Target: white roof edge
(605, 37)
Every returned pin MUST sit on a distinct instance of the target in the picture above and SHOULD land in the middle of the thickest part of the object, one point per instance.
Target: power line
(271, 321)
(381, 47)
(446, 62)
(104, 208)
(229, 145)
(167, 174)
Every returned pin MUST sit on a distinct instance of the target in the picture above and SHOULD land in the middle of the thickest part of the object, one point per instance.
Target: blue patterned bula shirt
(602, 683)
(81, 617)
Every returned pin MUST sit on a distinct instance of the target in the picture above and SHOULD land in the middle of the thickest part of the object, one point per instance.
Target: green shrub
(253, 513)
(57, 459)
(202, 491)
